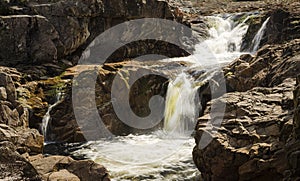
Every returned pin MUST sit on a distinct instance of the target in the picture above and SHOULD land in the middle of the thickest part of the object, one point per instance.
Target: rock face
(293, 145)
(63, 125)
(283, 25)
(259, 136)
(49, 32)
(250, 142)
(269, 67)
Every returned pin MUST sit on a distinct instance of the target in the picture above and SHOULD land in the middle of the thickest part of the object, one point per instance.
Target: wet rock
(250, 143)
(283, 25)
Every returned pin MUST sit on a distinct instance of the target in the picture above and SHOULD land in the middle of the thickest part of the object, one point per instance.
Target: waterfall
(161, 156)
(224, 43)
(58, 99)
(259, 35)
(223, 46)
(181, 105)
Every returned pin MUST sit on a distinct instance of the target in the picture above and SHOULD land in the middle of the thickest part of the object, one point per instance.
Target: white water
(181, 109)
(167, 154)
(223, 46)
(259, 35)
(47, 117)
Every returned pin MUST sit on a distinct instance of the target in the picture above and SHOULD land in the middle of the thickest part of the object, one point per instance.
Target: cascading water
(166, 154)
(181, 105)
(259, 35)
(47, 117)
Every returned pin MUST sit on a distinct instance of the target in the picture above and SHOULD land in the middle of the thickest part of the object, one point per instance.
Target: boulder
(62, 167)
(46, 32)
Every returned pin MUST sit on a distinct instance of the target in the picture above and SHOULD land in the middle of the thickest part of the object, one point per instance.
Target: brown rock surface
(61, 167)
(268, 67)
(14, 166)
(250, 142)
(63, 124)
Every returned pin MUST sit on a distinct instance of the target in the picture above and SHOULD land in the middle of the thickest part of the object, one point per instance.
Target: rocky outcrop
(250, 144)
(293, 145)
(256, 140)
(283, 25)
(18, 141)
(268, 67)
(46, 33)
(63, 125)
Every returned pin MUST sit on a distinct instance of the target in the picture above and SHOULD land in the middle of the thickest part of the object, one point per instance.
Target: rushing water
(182, 107)
(259, 35)
(167, 154)
(47, 117)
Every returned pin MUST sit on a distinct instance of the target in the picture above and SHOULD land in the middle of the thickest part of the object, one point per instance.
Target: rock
(63, 175)
(30, 141)
(293, 145)
(14, 166)
(41, 30)
(88, 170)
(28, 40)
(9, 117)
(282, 26)
(55, 167)
(3, 94)
(250, 144)
(269, 67)
(8, 134)
(26, 140)
(7, 82)
(64, 127)
(297, 109)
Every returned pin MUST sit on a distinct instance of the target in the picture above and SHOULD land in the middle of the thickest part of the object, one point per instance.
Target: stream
(166, 154)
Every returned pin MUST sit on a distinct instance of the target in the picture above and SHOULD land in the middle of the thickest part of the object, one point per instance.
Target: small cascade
(181, 105)
(58, 99)
(224, 43)
(259, 35)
